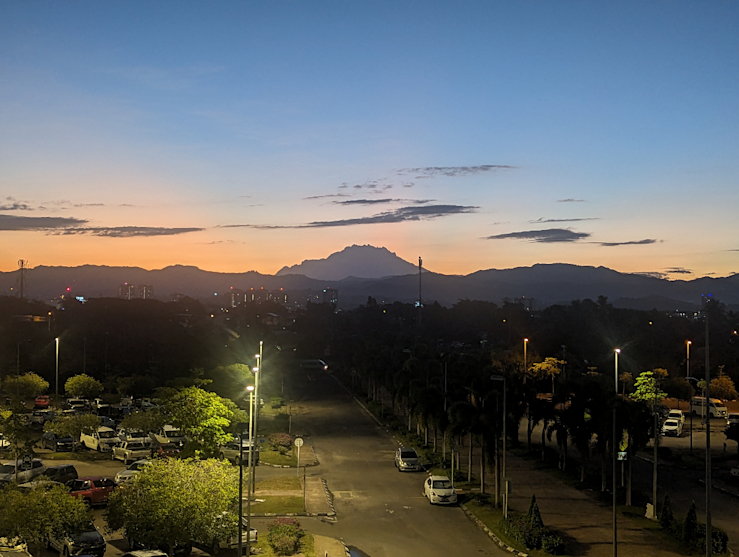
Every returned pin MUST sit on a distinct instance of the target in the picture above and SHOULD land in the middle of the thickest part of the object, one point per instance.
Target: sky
(250, 135)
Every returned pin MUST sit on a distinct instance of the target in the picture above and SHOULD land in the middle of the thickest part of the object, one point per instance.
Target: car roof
(439, 478)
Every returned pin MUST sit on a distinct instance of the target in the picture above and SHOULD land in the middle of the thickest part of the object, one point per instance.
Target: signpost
(298, 444)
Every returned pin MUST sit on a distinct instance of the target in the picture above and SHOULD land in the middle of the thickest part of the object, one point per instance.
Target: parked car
(131, 434)
(232, 452)
(164, 450)
(179, 550)
(677, 415)
(145, 553)
(57, 443)
(128, 451)
(106, 421)
(168, 434)
(439, 491)
(673, 427)
(104, 439)
(79, 403)
(92, 490)
(406, 460)
(225, 541)
(42, 401)
(42, 416)
(89, 541)
(4, 443)
(7, 471)
(40, 482)
(62, 473)
(133, 470)
(731, 419)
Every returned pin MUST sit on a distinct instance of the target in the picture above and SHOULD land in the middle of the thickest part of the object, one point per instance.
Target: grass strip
(278, 504)
(283, 483)
(269, 456)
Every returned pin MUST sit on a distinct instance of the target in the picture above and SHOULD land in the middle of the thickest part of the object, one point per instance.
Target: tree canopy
(84, 386)
(178, 502)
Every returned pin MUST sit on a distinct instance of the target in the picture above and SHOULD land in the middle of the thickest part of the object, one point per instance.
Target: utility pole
(22, 266)
(420, 291)
(709, 532)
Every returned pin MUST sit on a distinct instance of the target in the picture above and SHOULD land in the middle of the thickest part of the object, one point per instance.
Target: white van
(168, 434)
(716, 408)
(104, 439)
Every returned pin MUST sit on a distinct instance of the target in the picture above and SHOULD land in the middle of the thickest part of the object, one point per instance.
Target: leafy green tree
(83, 386)
(203, 417)
(28, 385)
(178, 502)
(149, 421)
(73, 426)
(723, 387)
(33, 516)
(647, 390)
(16, 432)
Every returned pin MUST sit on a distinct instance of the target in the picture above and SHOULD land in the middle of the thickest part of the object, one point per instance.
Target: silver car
(406, 460)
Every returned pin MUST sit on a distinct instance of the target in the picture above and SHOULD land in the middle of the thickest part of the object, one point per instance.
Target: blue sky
(252, 135)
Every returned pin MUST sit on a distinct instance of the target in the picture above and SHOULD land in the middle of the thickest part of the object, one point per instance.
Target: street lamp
(57, 366)
(616, 352)
(687, 346)
(505, 480)
(250, 388)
(525, 343)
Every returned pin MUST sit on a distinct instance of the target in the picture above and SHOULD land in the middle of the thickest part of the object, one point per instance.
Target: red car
(42, 401)
(164, 450)
(93, 491)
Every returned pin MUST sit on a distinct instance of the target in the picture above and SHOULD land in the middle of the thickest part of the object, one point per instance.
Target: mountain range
(358, 272)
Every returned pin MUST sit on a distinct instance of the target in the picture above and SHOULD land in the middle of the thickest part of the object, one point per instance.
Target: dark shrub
(552, 544)
(277, 440)
(690, 527)
(284, 536)
(667, 518)
(277, 402)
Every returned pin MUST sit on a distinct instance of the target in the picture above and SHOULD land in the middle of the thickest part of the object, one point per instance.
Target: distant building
(127, 291)
(330, 296)
(146, 291)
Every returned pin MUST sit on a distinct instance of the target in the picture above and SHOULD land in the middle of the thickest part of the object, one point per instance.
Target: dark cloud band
(127, 231)
(431, 171)
(631, 243)
(12, 222)
(550, 235)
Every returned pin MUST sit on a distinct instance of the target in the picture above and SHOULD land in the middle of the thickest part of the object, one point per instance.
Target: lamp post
(257, 372)
(57, 367)
(505, 480)
(616, 352)
(687, 346)
(250, 388)
(525, 343)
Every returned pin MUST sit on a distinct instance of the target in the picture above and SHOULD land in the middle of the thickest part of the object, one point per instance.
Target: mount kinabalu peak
(353, 261)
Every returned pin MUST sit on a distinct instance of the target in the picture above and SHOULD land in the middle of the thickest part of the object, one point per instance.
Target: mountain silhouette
(366, 262)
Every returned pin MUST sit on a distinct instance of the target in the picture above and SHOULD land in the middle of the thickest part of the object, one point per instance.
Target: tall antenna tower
(22, 266)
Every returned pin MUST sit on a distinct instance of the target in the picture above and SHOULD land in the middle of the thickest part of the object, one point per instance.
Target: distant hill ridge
(366, 262)
(362, 271)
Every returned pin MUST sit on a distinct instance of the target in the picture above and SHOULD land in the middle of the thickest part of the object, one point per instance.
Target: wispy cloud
(89, 205)
(431, 171)
(550, 235)
(403, 214)
(126, 231)
(12, 222)
(630, 243)
(651, 274)
(678, 271)
(543, 220)
(16, 206)
(381, 201)
(327, 196)
(570, 200)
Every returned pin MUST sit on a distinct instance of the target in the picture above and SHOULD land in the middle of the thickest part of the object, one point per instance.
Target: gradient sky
(251, 135)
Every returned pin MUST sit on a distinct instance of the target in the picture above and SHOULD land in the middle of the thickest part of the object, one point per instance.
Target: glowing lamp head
(691, 342)
(250, 388)
(255, 369)
(617, 350)
(525, 340)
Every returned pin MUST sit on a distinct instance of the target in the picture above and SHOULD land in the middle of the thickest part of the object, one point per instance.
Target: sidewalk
(328, 547)
(585, 525)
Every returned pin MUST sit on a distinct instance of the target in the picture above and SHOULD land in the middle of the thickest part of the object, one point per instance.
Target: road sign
(299, 442)
(621, 455)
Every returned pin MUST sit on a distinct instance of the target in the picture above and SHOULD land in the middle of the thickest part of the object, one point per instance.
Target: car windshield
(408, 454)
(7, 469)
(172, 433)
(106, 434)
(672, 423)
(442, 484)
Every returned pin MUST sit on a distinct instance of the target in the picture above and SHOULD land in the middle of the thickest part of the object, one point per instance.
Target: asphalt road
(380, 512)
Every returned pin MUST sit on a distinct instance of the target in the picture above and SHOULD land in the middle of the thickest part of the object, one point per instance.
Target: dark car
(89, 541)
(56, 442)
(62, 473)
(164, 450)
(93, 491)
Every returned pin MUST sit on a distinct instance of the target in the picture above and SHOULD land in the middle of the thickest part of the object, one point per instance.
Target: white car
(439, 491)
(672, 426)
(406, 460)
(131, 434)
(7, 471)
(129, 451)
(104, 439)
(677, 415)
(168, 434)
(133, 470)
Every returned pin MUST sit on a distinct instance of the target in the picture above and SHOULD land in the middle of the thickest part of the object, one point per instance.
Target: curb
(283, 515)
(721, 489)
(489, 532)
(329, 498)
(349, 553)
